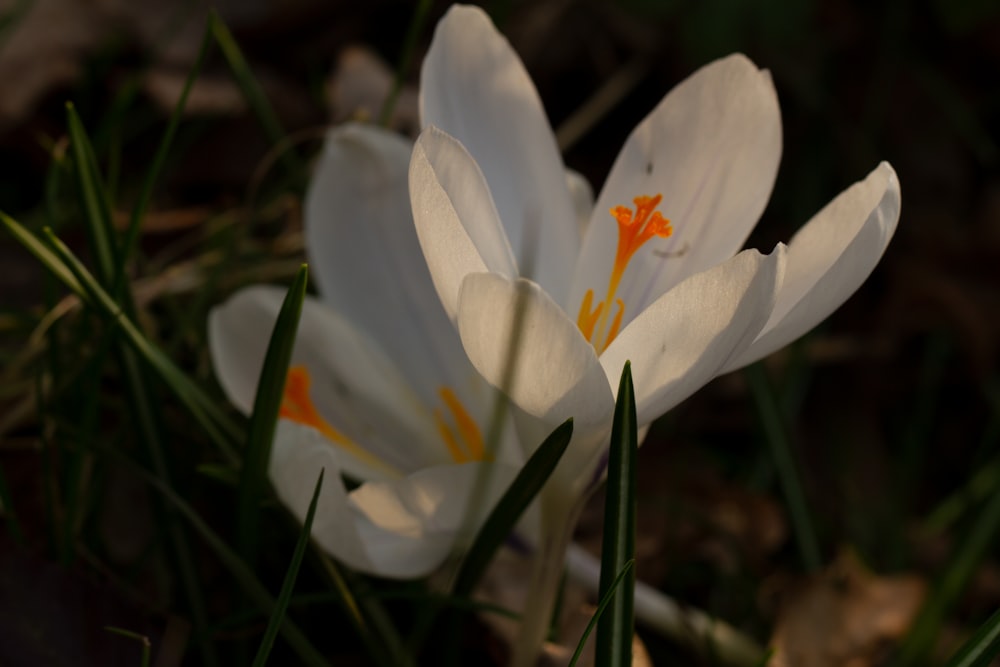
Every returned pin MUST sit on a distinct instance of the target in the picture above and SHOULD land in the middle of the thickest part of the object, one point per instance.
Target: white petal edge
(829, 259)
(364, 252)
(583, 199)
(474, 86)
(409, 526)
(354, 386)
(554, 373)
(457, 224)
(687, 335)
(711, 148)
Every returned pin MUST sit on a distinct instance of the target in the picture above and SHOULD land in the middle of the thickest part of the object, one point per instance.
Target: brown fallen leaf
(845, 617)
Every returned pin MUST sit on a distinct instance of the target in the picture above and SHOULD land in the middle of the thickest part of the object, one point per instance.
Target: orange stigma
(297, 406)
(634, 230)
(467, 431)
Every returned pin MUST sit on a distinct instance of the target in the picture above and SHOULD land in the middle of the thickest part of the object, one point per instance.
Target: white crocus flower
(551, 316)
(379, 388)
(656, 277)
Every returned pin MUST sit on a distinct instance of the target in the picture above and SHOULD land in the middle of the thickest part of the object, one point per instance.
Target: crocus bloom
(656, 278)
(550, 317)
(379, 388)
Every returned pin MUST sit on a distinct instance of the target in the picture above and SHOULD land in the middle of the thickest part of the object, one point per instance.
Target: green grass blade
(252, 92)
(264, 420)
(959, 572)
(617, 625)
(153, 173)
(781, 452)
(42, 253)
(142, 639)
(255, 591)
(93, 195)
(508, 510)
(65, 266)
(288, 585)
(605, 601)
(413, 33)
(981, 648)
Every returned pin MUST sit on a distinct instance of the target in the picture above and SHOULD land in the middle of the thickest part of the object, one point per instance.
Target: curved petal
(829, 258)
(368, 263)
(681, 341)
(355, 389)
(475, 87)
(711, 149)
(554, 373)
(411, 525)
(401, 528)
(455, 219)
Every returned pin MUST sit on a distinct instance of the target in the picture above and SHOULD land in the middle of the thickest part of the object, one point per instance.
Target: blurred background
(891, 408)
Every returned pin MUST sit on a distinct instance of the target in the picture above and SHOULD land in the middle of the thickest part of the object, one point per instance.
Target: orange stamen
(467, 428)
(297, 406)
(449, 438)
(633, 233)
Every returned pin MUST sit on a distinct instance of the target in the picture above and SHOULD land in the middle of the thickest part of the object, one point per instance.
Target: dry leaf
(845, 617)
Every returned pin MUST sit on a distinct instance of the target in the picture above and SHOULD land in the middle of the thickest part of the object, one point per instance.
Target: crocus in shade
(657, 276)
(379, 388)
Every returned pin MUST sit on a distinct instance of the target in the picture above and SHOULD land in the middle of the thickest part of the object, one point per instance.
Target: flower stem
(545, 584)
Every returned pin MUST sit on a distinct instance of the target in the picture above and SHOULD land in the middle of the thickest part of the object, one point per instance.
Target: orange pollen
(634, 230)
(461, 436)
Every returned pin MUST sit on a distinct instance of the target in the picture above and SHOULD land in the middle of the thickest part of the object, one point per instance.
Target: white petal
(354, 386)
(829, 258)
(455, 219)
(411, 525)
(554, 373)
(364, 252)
(711, 149)
(682, 341)
(475, 87)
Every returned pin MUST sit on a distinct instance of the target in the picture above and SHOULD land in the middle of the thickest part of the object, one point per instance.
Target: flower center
(461, 434)
(297, 406)
(634, 230)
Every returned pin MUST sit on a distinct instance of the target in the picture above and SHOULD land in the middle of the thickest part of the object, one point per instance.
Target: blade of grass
(240, 571)
(92, 193)
(616, 627)
(413, 32)
(65, 266)
(605, 601)
(142, 639)
(781, 452)
(139, 395)
(959, 572)
(264, 420)
(288, 585)
(501, 520)
(252, 92)
(153, 173)
(981, 648)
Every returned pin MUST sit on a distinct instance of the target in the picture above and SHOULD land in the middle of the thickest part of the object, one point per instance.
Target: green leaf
(264, 419)
(68, 268)
(982, 647)
(93, 196)
(153, 173)
(288, 585)
(616, 627)
(605, 601)
(508, 510)
(256, 592)
(142, 639)
(252, 92)
(776, 435)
